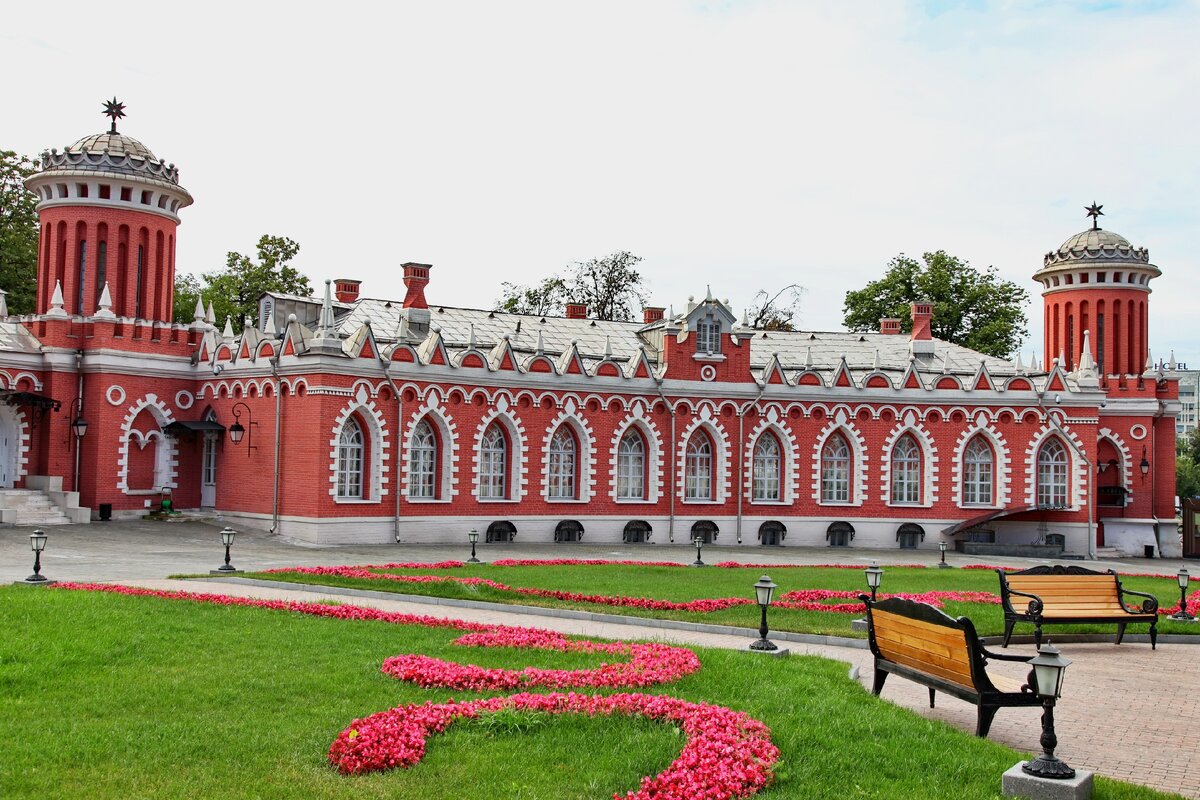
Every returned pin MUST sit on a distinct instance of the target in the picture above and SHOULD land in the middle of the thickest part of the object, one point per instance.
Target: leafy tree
(234, 290)
(18, 233)
(775, 312)
(1187, 477)
(547, 298)
(971, 307)
(611, 287)
(1189, 446)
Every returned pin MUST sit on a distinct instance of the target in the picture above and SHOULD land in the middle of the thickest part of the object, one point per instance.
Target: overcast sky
(744, 145)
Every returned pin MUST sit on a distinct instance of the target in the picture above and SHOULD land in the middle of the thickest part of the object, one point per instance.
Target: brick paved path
(1111, 719)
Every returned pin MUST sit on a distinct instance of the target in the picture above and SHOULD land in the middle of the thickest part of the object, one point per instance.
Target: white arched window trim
(766, 469)
(375, 440)
(632, 474)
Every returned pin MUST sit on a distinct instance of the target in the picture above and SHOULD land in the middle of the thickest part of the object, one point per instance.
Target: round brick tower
(108, 209)
(1098, 282)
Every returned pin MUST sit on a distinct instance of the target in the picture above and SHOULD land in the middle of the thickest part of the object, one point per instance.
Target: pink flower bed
(805, 599)
(727, 754)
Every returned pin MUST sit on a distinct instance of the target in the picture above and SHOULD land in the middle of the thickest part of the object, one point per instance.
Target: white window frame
(698, 465)
(836, 470)
(765, 468)
(561, 474)
(422, 462)
(978, 471)
(493, 464)
(906, 471)
(1053, 474)
(351, 461)
(631, 466)
(708, 335)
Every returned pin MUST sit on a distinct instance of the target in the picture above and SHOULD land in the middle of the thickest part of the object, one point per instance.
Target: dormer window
(708, 335)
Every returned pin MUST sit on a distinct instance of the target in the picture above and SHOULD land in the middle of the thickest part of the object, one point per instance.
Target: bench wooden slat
(955, 670)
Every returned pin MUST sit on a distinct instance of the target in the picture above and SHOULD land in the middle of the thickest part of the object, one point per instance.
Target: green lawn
(109, 696)
(682, 584)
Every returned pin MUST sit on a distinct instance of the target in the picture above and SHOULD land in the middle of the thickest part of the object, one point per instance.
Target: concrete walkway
(1128, 712)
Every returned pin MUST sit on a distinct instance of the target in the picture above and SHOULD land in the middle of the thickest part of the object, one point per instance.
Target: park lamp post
(1049, 669)
(874, 578)
(473, 537)
(942, 564)
(227, 536)
(698, 540)
(1182, 615)
(37, 540)
(764, 589)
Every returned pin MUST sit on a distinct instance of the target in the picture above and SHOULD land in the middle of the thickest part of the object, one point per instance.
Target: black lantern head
(1049, 669)
(764, 589)
(1183, 578)
(874, 576)
(37, 540)
(227, 536)
(236, 431)
(79, 425)
(473, 536)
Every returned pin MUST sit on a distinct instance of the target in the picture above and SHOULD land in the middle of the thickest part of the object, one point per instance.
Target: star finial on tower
(114, 110)
(1095, 213)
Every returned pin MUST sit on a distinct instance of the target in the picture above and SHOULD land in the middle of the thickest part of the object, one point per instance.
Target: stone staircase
(43, 502)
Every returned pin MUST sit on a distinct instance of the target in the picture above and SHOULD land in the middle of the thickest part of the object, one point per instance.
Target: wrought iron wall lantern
(238, 431)
(1144, 466)
(79, 425)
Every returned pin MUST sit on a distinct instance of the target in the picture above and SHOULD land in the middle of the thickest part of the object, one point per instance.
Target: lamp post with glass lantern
(1182, 615)
(227, 536)
(698, 540)
(1049, 669)
(942, 564)
(764, 589)
(37, 540)
(473, 537)
(874, 578)
(238, 431)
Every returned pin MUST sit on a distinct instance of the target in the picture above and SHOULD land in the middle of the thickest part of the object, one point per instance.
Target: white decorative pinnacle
(808, 362)
(105, 305)
(3, 303)
(1149, 361)
(210, 316)
(1085, 355)
(198, 314)
(56, 299)
(228, 332)
(608, 348)
(325, 327)
(1018, 364)
(1033, 362)
(472, 341)
(875, 365)
(540, 345)
(1171, 363)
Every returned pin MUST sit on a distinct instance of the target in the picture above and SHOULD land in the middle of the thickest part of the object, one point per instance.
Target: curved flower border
(728, 754)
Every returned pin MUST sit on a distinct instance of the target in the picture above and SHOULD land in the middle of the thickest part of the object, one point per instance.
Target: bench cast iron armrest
(1149, 606)
(1003, 657)
(1035, 602)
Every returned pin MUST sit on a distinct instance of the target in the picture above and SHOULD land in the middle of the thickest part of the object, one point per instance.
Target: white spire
(472, 341)
(1171, 363)
(325, 327)
(607, 346)
(105, 304)
(1033, 362)
(875, 366)
(228, 332)
(198, 314)
(808, 362)
(210, 316)
(3, 303)
(540, 345)
(1149, 361)
(1018, 365)
(56, 301)
(1085, 355)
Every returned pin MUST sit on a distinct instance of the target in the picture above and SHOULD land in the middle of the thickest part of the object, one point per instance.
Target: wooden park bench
(919, 642)
(1061, 595)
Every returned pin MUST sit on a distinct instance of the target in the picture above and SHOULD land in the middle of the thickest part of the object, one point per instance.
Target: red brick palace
(353, 419)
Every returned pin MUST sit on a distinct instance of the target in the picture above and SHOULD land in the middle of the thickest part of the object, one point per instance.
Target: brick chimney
(922, 330)
(652, 314)
(415, 278)
(346, 289)
(576, 310)
(889, 325)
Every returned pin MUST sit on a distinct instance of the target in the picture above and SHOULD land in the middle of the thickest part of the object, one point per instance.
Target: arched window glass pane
(1052, 465)
(906, 471)
(422, 462)
(978, 469)
(835, 471)
(766, 468)
(350, 461)
(631, 467)
(493, 464)
(562, 466)
(698, 468)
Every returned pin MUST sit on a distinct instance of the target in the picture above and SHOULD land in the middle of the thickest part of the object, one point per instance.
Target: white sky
(738, 144)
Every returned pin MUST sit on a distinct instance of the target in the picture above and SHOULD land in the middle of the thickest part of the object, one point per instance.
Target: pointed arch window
(978, 473)
(631, 466)
(493, 464)
(1052, 467)
(422, 463)
(350, 461)
(906, 471)
(698, 463)
(835, 470)
(563, 460)
(766, 468)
